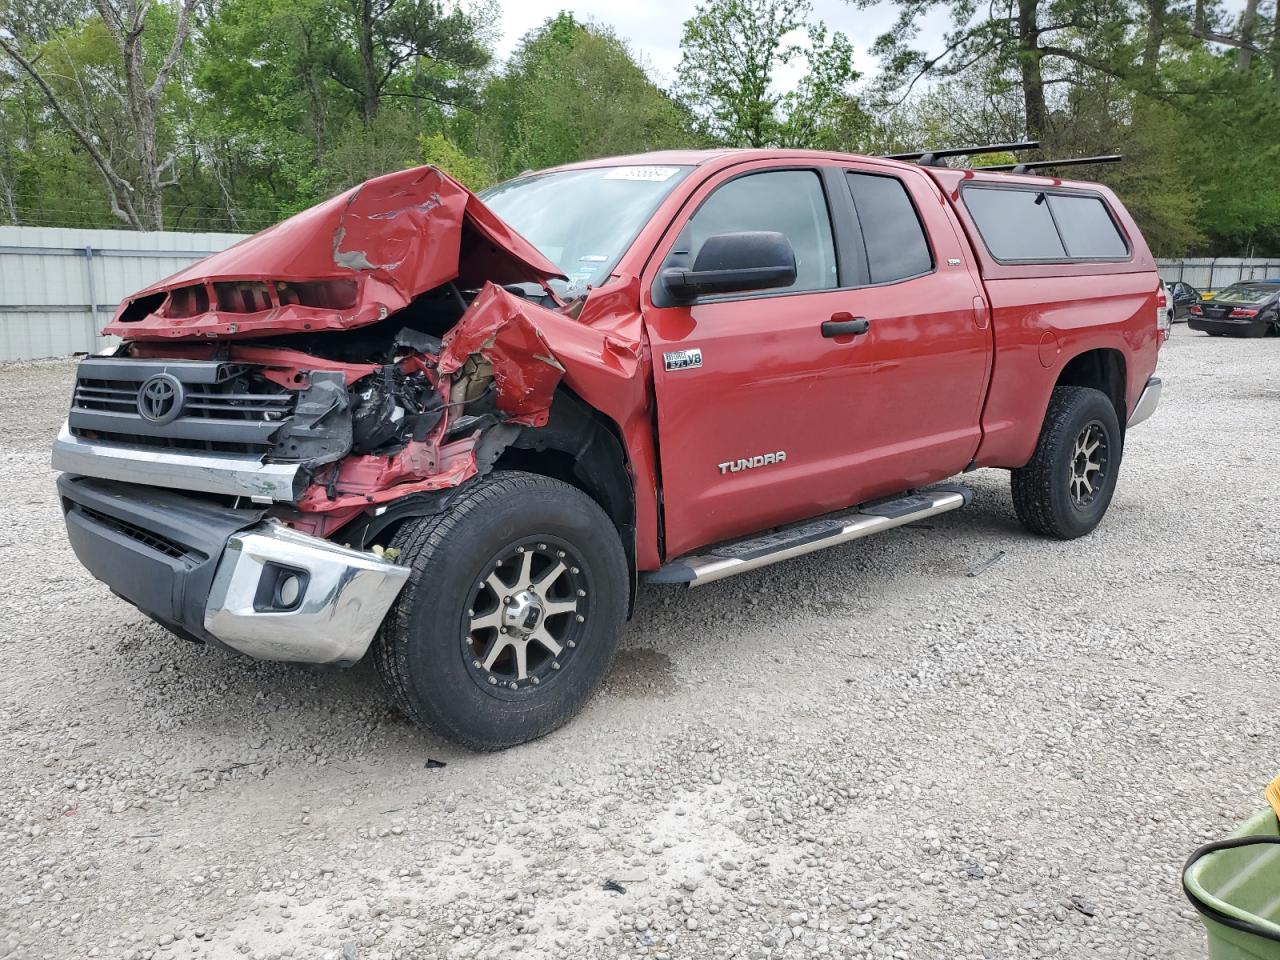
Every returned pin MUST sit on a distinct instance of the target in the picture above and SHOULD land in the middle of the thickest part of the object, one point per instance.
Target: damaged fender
(530, 351)
(499, 327)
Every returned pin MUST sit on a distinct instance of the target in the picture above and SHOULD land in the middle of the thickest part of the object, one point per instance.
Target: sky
(653, 27)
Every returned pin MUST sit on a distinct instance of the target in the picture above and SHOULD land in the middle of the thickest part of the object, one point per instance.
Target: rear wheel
(512, 613)
(1065, 489)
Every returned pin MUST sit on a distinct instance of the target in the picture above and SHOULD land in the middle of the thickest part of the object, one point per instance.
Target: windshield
(1248, 293)
(583, 220)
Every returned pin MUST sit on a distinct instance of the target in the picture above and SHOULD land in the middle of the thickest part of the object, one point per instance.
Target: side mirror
(734, 262)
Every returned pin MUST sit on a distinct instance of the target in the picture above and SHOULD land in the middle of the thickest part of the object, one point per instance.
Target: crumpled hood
(343, 263)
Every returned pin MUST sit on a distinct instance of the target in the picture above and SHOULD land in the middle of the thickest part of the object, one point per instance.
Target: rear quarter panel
(1046, 314)
(1043, 323)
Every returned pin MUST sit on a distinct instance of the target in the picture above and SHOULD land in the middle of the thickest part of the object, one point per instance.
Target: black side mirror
(734, 262)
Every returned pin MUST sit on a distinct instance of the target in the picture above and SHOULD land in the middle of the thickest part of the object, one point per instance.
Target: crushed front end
(227, 469)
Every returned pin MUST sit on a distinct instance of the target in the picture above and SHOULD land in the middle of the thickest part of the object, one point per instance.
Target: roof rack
(937, 158)
(1041, 164)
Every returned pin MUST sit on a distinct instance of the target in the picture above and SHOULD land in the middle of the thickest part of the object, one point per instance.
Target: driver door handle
(844, 325)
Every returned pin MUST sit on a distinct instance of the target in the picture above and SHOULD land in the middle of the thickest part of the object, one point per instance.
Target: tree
(137, 172)
(416, 49)
(731, 51)
(571, 91)
(298, 99)
(472, 172)
(1064, 43)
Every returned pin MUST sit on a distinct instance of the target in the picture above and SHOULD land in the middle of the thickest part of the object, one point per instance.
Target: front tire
(1065, 489)
(512, 613)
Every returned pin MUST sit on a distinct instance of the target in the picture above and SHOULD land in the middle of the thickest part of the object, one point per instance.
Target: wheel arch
(583, 448)
(1104, 369)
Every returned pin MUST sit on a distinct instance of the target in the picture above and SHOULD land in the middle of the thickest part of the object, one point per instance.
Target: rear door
(762, 418)
(924, 363)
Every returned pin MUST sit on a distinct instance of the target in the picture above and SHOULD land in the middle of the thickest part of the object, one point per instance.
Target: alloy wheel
(1088, 471)
(526, 617)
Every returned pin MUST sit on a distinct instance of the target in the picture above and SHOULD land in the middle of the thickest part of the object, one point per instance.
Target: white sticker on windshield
(650, 174)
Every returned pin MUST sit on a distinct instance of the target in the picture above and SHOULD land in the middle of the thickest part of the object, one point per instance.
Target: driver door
(742, 433)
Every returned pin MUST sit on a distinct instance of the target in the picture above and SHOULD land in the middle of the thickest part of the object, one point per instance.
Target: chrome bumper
(236, 476)
(1147, 403)
(341, 597)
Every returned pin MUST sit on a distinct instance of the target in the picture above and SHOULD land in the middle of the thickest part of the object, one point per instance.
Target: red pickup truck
(457, 432)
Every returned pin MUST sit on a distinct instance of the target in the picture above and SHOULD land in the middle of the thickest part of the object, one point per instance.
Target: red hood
(343, 263)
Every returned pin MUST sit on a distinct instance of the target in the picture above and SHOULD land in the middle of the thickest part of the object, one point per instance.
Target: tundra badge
(683, 359)
(750, 463)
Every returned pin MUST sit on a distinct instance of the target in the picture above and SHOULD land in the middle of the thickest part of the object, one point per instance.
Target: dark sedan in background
(1248, 309)
(1183, 296)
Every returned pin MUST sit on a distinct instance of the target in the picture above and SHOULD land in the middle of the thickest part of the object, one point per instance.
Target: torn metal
(350, 261)
(414, 333)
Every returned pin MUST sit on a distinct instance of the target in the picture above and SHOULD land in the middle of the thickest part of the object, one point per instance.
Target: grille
(162, 545)
(226, 407)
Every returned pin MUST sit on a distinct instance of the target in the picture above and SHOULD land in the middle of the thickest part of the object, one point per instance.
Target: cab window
(790, 202)
(895, 242)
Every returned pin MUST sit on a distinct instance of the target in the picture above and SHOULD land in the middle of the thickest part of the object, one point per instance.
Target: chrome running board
(739, 556)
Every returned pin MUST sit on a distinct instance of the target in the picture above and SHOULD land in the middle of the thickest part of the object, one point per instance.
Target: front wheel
(1065, 489)
(511, 615)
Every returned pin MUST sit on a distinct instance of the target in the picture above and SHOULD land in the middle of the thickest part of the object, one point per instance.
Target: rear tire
(511, 614)
(1065, 489)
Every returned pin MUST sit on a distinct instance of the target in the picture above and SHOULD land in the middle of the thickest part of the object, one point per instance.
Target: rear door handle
(845, 326)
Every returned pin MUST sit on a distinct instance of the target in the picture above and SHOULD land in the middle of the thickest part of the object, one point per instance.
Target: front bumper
(227, 474)
(1147, 403)
(229, 577)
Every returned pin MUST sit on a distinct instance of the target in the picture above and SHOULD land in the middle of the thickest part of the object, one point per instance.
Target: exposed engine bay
(417, 402)
(389, 343)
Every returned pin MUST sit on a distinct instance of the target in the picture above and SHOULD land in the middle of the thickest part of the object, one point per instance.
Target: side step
(739, 556)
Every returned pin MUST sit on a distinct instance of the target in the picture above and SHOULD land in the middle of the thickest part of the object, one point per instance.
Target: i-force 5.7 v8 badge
(750, 463)
(683, 359)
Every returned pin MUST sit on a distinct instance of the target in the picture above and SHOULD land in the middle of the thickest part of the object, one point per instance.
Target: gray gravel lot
(864, 752)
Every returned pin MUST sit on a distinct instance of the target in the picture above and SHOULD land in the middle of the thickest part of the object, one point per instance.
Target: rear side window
(1015, 224)
(1087, 229)
(894, 239)
(1039, 225)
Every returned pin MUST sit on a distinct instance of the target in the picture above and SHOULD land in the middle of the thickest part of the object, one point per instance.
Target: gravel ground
(868, 752)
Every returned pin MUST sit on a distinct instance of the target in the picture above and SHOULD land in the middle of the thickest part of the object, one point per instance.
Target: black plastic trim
(169, 588)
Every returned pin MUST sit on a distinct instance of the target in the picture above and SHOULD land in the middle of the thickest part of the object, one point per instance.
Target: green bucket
(1235, 884)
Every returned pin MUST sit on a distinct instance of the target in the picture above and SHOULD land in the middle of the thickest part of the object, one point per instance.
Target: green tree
(301, 98)
(106, 79)
(414, 49)
(731, 53)
(571, 91)
(472, 172)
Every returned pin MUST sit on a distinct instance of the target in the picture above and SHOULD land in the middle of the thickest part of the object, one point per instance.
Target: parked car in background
(1181, 296)
(1248, 309)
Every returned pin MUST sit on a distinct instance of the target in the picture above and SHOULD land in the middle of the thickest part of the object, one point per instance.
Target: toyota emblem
(160, 398)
